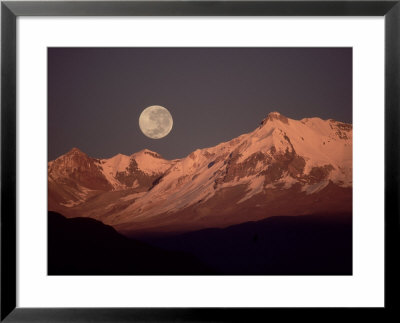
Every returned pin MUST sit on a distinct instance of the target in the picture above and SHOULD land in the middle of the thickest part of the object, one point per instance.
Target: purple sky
(95, 95)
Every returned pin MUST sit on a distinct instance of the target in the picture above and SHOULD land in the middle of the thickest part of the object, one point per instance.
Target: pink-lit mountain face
(284, 167)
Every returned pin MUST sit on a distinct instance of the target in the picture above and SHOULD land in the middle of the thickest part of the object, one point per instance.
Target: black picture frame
(10, 10)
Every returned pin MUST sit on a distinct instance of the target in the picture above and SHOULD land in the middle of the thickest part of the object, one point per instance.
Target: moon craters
(155, 122)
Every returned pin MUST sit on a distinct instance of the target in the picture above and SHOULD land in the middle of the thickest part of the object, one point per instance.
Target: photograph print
(199, 161)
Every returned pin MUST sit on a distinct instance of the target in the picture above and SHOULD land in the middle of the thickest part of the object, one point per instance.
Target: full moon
(155, 122)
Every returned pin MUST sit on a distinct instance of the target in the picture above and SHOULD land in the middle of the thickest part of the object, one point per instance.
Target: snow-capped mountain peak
(282, 157)
(275, 116)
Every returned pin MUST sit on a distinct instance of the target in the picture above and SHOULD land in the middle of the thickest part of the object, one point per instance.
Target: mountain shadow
(282, 245)
(84, 246)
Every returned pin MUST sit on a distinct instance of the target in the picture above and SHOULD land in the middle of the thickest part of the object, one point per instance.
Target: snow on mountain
(111, 166)
(282, 158)
(75, 177)
(150, 162)
(309, 152)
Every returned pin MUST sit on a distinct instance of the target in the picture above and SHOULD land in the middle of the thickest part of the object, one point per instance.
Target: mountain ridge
(282, 158)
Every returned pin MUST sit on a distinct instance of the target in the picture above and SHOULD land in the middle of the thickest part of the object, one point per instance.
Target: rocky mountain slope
(283, 167)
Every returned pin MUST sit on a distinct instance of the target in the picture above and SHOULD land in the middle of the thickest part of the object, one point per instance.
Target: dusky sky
(96, 95)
